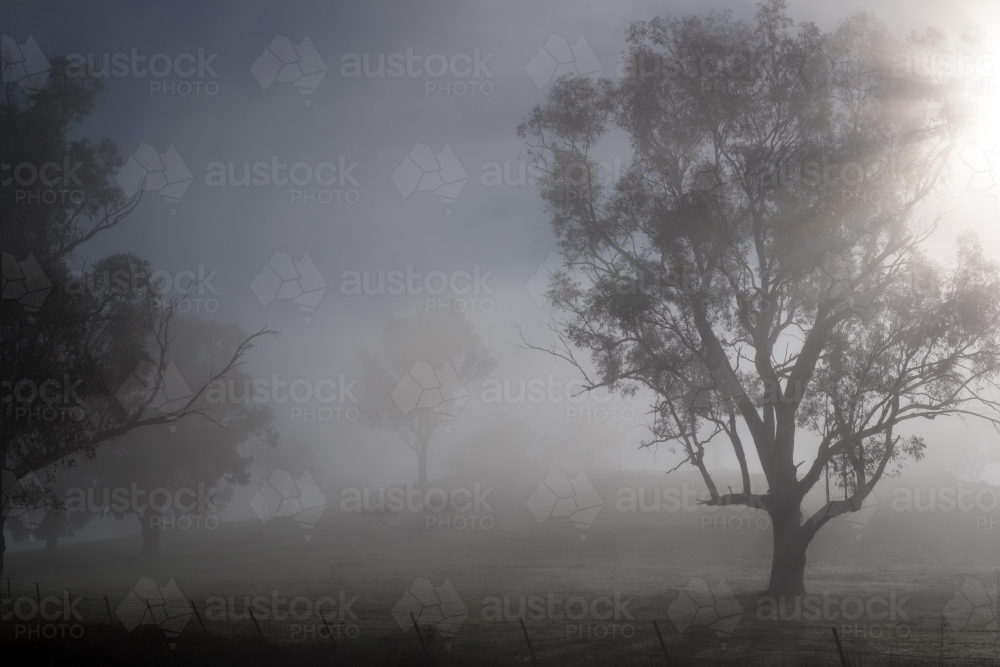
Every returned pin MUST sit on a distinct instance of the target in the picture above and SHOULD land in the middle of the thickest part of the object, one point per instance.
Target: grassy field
(885, 586)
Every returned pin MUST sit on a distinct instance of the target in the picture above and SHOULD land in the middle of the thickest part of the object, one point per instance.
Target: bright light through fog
(971, 192)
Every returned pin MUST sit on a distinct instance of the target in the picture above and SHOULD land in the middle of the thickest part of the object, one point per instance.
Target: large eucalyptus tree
(759, 265)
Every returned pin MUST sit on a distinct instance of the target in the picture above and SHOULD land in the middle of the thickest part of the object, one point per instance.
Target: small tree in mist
(57, 522)
(758, 265)
(416, 380)
(66, 352)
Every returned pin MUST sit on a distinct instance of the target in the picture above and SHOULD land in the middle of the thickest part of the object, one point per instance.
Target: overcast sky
(222, 108)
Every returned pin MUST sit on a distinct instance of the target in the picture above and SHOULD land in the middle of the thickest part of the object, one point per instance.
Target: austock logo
(44, 617)
(858, 517)
(423, 169)
(458, 509)
(552, 391)
(301, 65)
(51, 400)
(867, 179)
(148, 604)
(284, 62)
(699, 604)
(192, 70)
(458, 291)
(425, 388)
(688, 499)
(183, 508)
(864, 617)
(302, 176)
(147, 169)
(336, 618)
(978, 67)
(981, 499)
(24, 282)
(825, 64)
(559, 496)
(439, 607)
(977, 171)
(471, 70)
(24, 499)
(184, 290)
(973, 607)
(538, 283)
(46, 183)
(557, 58)
(148, 387)
(285, 279)
(24, 64)
(282, 495)
(597, 617)
(328, 399)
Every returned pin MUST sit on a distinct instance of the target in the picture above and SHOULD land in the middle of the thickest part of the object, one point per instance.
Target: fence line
(540, 636)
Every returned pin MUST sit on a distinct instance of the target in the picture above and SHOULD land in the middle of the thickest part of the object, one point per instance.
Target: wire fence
(32, 610)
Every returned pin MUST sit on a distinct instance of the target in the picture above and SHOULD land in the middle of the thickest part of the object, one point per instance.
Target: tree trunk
(3, 542)
(51, 542)
(788, 562)
(150, 533)
(422, 467)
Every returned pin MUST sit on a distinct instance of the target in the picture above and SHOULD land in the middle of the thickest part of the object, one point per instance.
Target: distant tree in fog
(758, 264)
(416, 380)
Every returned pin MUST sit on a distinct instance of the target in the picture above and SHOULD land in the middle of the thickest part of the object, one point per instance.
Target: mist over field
(500, 333)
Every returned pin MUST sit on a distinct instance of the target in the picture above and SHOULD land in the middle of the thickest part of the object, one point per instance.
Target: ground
(892, 587)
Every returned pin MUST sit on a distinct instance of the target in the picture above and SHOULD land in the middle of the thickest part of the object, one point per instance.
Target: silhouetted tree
(759, 261)
(65, 352)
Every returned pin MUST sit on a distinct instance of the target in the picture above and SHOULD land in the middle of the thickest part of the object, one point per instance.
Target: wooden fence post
(419, 636)
(840, 649)
(941, 653)
(198, 616)
(328, 629)
(663, 644)
(254, 619)
(526, 640)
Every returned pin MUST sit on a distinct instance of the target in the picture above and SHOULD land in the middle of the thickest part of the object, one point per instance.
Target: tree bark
(423, 442)
(788, 562)
(3, 542)
(150, 533)
(422, 467)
